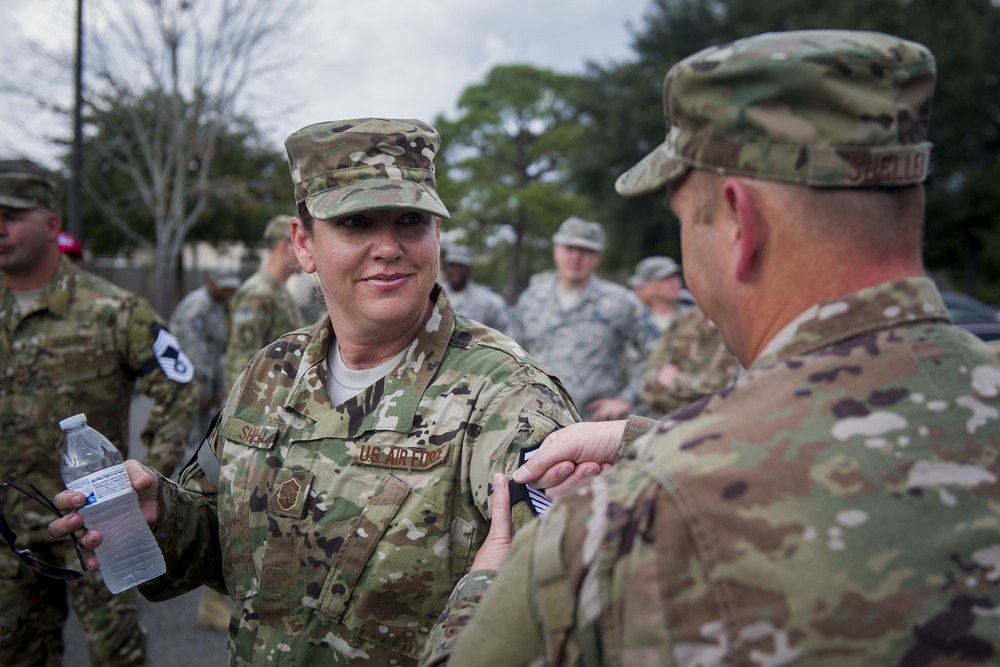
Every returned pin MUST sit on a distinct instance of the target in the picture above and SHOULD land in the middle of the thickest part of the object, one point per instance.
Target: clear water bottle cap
(71, 422)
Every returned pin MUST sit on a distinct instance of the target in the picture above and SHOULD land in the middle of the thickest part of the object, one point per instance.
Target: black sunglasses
(39, 566)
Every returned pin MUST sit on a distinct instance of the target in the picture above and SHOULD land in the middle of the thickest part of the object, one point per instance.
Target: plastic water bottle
(93, 466)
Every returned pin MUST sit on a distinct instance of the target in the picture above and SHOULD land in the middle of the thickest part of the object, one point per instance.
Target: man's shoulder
(91, 293)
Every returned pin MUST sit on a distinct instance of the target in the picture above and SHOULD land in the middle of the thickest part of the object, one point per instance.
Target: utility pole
(76, 176)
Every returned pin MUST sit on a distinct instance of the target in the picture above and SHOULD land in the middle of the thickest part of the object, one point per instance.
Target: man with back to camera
(589, 331)
(70, 342)
(475, 301)
(838, 505)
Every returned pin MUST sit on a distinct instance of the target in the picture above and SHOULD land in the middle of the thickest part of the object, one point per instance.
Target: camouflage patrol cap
(458, 254)
(657, 267)
(278, 227)
(349, 166)
(26, 185)
(578, 233)
(824, 108)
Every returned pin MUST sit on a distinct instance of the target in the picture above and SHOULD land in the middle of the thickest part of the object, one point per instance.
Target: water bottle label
(103, 485)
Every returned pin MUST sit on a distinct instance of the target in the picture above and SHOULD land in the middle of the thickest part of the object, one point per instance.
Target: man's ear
(53, 225)
(300, 244)
(748, 227)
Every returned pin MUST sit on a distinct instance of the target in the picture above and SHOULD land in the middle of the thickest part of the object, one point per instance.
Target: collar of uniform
(61, 288)
(900, 302)
(388, 405)
(57, 297)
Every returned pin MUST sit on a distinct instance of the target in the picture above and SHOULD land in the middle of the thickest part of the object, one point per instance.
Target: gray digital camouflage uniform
(694, 346)
(81, 349)
(261, 311)
(344, 528)
(199, 322)
(591, 347)
(784, 520)
(480, 303)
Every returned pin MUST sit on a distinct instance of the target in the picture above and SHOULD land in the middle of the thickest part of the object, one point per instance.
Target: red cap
(69, 245)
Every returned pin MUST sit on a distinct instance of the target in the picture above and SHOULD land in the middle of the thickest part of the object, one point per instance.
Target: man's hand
(572, 455)
(494, 550)
(607, 409)
(146, 485)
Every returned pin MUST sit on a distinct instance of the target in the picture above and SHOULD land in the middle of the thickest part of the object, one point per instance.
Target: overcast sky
(356, 67)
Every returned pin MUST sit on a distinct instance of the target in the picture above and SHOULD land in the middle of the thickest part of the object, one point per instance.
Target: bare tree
(170, 72)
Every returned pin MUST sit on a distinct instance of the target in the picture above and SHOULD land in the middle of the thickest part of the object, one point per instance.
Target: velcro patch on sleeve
(175, 364)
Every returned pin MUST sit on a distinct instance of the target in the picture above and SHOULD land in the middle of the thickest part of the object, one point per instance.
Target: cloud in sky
(351, 58)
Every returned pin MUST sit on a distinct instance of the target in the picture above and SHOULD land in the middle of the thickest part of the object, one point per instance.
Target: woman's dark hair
(306, 217)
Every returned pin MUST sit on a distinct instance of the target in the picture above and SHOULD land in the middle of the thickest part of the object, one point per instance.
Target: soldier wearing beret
(353, 458)
(838, 506)
(70, 342)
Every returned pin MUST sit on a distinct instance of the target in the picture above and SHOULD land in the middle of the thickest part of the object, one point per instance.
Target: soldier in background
(838, 505)
(262, 309)
(199, 322)
(589, 331)
(657, 283)
(473, 300)
(70, 342)
(690, 360)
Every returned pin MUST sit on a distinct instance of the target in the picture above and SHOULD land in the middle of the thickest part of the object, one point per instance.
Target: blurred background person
(475, 301)
(589, 331)
(262, 309)
(199, 322)
(690, 360)
(657, 283)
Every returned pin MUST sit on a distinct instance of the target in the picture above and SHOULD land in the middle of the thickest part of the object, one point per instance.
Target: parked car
(973, 315)
(964, 308)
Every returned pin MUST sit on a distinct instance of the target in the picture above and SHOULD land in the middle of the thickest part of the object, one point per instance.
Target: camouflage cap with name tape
(824, 108)
(349, 166)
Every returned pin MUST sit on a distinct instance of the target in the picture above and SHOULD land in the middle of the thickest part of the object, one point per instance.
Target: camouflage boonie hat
(578, 233)
(657, 267)
(824, 108)
(278, 227)
(26, 185)
(349, 166)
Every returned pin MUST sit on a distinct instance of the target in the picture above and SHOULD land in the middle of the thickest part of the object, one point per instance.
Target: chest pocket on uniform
(397, 559)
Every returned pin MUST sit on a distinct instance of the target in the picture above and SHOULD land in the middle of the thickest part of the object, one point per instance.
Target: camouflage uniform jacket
(81, 349)
(694, 345)
(261, 311)
(592, 346)
(838, 506)
(480, 303)
(199, 322)
(344, 529)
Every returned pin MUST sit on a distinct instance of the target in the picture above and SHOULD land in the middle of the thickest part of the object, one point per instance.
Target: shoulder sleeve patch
(175, 364)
